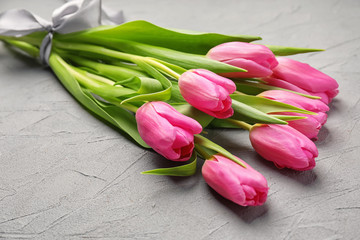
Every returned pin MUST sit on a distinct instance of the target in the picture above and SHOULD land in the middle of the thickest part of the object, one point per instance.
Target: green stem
(241, 124)
(86, 78)
(100, 79)
(129, 107)
(239, 93)
(24, 46)
(204, 142)
(114, 54)
(202, 152)
(110, 71)
(83, 79)
(99, 85)
(125, 65)
(162, 67)
(94, 85)
(95, 49)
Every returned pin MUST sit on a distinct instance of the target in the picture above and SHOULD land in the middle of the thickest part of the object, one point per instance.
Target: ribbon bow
(73, 16)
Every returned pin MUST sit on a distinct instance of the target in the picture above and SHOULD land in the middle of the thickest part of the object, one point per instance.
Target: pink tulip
(257, 59)
(305, 77)
(207, 92)
(167, 131)
(284, 145)
(313, 105)
(310, 126)
(243, 186)
(325, 96)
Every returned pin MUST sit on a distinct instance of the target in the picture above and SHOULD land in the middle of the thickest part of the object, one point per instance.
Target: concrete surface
(66, 175)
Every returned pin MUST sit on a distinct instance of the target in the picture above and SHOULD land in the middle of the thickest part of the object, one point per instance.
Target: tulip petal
(253, 69)
(303, 75)
(217, 79)
(177, 119)
(207, 92)
(284, 146)
(183, 138)
(244, 186)
(257, 59)
(198, 91)
(173, 142)
(313, 105)
(232, 50)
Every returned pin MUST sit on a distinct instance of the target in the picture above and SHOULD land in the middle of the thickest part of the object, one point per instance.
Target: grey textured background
(66, 175)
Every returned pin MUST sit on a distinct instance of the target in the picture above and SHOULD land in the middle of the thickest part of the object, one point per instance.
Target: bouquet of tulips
(163, 88)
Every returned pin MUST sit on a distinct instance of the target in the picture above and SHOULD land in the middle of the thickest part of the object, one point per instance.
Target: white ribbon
(73, 16)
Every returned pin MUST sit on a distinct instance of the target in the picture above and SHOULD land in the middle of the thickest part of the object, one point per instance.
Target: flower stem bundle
(163, 88)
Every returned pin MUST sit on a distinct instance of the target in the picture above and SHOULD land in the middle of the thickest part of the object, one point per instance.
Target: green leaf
(125, 65)
(180, 171)
(99, 85)
(117, 116)
(176, 97)
(149, 85)
(182, 59)
(188, 110)
(145, 32)
(177, 58)
(222, 123)
(249, 114)
(173, 67)
(266, 105)
(157, 96)
(113, 72)
(133, 83)
(130, 51)
(285, 51)
(253, 88)
(206, 143)
(288, 117)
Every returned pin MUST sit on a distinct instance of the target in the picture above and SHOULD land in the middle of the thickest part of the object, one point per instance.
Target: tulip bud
(306, 77)
(167, 131)
(207, 92)
(243, 186)
(311, 125)
(313, 105)
(326, 96)
(257, 59)
(283, 145)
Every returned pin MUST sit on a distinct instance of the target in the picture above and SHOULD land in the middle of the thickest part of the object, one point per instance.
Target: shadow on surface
(303, 177)
(324, 136)
(336, 107)
(158, 161)
(247, 214)
(225, 138)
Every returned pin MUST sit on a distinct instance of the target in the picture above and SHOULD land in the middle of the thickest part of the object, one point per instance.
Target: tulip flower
(257, 59)
(313, 105)
(167, 131)
(243, 186)
(305, 77)
(325, 96)
(283, 145)
(207, 92)
(310, 126)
